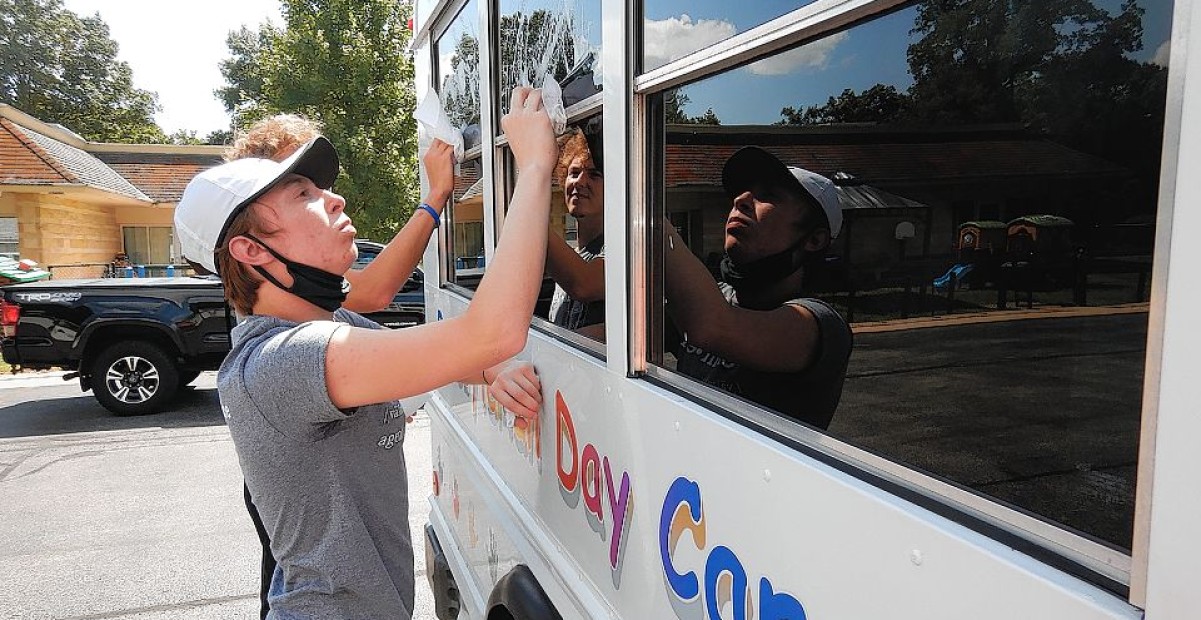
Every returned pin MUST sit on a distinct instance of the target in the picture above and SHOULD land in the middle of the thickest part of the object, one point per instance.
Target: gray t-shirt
(574, 314)
(810, 395)
(330, 485)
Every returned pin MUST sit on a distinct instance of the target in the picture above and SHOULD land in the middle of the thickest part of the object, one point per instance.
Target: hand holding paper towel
(552, 100)
(434, 121)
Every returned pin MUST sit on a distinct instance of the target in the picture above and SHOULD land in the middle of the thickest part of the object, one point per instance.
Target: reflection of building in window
(149, 245)
(467, 220)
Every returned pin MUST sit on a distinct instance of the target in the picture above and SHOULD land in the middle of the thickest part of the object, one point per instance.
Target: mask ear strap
(259, 268)
(277, 255)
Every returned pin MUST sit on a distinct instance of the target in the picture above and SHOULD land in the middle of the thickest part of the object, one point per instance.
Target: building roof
(83, 167)
(161, 176)
(696, 154)
(23, 162)
(37, 154)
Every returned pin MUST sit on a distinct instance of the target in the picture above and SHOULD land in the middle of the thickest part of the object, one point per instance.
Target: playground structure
(1032, 252)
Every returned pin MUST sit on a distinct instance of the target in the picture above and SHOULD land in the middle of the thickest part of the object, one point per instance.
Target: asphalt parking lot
(136, 518)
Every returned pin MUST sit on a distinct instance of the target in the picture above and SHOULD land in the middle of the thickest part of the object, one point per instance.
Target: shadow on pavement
(29, 412)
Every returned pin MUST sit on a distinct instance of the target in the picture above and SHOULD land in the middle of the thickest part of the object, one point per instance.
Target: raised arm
(784, 339)
(371, 366)
(583, 280)
(373, 287)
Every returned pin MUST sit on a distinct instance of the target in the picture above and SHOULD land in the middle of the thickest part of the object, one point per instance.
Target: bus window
(994, 196)
(457, 60)
(562, 37)
(573, 296)
(673, 29)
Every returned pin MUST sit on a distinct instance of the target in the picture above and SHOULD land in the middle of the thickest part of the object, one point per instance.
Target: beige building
(79, 203)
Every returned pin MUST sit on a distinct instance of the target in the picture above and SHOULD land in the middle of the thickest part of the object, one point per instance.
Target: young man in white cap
(310, 391)
(755, 334)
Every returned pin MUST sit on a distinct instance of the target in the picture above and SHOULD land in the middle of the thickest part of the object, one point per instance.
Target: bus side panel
(629, 501)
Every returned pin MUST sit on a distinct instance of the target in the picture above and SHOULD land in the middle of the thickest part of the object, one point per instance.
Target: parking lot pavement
(136, 518)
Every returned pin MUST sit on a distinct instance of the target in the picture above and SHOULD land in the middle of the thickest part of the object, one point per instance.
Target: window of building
(997, 188)
(150, 245)
(10, 245)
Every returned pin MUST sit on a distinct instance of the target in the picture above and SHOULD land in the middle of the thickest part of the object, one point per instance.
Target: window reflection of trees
(563, 42)
(1008, 179)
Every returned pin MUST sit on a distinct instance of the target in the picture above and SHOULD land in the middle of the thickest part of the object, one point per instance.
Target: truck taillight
(9, 315)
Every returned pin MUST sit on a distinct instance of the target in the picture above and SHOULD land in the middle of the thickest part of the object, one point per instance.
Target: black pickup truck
(135, 342)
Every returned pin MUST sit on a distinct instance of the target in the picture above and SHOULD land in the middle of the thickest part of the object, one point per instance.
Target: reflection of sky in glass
(562, 37)
(675, 28)
(458, 68)
(869, 54)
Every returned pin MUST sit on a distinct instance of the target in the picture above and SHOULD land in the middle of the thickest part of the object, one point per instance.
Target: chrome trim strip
(569, 337)
(1105, 561)
(807, 22)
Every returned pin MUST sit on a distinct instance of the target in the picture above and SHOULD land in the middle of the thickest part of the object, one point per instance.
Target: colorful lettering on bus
(725, 578)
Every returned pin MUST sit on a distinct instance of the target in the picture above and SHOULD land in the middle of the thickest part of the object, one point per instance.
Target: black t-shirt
(572, 314)
(810, 395)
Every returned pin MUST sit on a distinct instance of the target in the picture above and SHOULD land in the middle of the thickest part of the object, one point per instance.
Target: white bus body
(644, 495)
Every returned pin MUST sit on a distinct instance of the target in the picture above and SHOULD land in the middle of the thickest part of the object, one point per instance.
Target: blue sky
(857, 59)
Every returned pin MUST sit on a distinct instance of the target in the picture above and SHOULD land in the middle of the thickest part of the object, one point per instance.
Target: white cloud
(1161, 53)
(815, 55)
(669, 39)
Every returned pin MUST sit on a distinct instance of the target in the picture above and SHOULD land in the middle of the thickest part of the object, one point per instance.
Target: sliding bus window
(572, 297)
(457, 58)
(996, 186)
(559, 37)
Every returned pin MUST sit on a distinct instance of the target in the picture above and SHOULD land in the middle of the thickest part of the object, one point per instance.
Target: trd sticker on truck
(725, 579)
(586, 472)
(48, 297)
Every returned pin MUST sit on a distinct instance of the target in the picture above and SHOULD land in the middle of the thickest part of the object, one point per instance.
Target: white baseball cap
(215, 196)
(752, 164)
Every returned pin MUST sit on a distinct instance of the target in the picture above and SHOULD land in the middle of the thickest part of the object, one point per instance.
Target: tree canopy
(344, 64)
(1062, 67)
(63, 68)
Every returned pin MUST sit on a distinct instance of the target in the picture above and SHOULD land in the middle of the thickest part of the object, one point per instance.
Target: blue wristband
(432, 212)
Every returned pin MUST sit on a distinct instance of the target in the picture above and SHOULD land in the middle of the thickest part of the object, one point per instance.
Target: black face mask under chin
(319, 287)
(760, 273)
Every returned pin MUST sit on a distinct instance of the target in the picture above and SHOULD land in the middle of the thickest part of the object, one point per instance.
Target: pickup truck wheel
(134, 378)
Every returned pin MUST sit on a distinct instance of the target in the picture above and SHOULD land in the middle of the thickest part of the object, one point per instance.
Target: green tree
(674, 114)
(63, 68)
(876, 104)
(245, 72)
(343, 63)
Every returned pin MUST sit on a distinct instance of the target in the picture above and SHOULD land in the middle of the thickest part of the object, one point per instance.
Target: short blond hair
(274, 137)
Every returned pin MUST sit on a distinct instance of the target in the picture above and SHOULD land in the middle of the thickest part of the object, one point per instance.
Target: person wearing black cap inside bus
(319, 434)
(755, 334)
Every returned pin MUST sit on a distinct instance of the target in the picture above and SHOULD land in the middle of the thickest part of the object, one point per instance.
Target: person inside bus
(754, 333)
(579, 274)
(315, 428)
